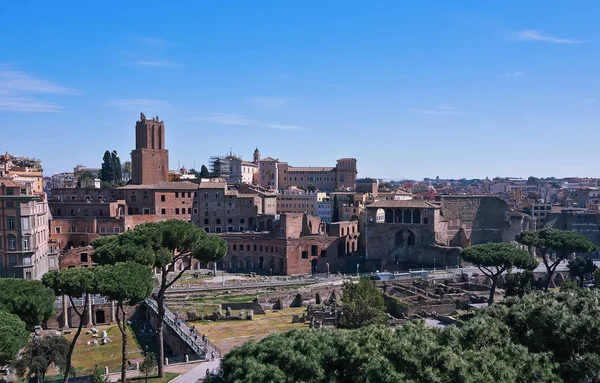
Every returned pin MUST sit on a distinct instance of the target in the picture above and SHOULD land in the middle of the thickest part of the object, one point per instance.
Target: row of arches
(410, 216)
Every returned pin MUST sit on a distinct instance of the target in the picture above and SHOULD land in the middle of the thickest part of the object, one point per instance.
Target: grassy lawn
(228, 334)
(85, 357)
(153, 379)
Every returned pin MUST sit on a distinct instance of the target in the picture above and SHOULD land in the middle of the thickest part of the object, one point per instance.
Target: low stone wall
(244, 306)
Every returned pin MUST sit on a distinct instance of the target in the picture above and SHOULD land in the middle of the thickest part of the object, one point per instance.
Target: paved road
(198, 372)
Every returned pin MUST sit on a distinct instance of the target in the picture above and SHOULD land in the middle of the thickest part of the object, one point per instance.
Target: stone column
(90, 322)
(113, 317)
(65, 306)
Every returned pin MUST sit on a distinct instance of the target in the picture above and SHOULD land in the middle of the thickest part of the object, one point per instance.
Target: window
(205, 195)
(314, 250)
(230, 220)
(217, 195)
(254, 247)
(83, 257)
(176, 194)
(218, 221)
(116, 230)
(163, 211)
(11, 223)
(195, 211)
(133, 198)
(12, 260)
(323, 253)
(206, 221)
(162, 198)
(189, 194)
(87, 198)
(305, 254)
(241, 220)
(102, 230)
(189, 210)
(12, 244)
(207, 229)
(234, 247)
(177, 211)
(72, 212)
(57, 230)
(218, 229)
(241, 228)
(195, 194)
(230, 228)
(206, 213)
(25, 244)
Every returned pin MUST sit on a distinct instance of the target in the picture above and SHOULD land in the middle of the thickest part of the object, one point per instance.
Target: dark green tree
(204, 173)
(363, 304)
(116, 165)
(311, 188)
(85, 180)
(480, 351)
(14, 336)
(98, 376)
(564, 324)
(562, 243)
(568, 285)
(520, 283)
(40, 354)
(493, 259)
(74, 283)
(581, 268)
(29, 299)
(148, 365)
(127, 283)
(161, 245)
(107, 171)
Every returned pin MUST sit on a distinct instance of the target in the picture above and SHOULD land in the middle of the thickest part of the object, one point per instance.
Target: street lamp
(327, 264)
(396, 267)
(434, 264)
(357, 273)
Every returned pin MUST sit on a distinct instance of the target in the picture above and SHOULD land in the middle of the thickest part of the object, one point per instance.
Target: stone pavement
(177, 368)
(198, 372)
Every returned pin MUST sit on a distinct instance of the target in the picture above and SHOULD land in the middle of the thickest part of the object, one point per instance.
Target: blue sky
(411, 89)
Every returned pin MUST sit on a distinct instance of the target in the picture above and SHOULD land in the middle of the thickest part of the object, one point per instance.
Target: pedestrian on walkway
(212, 355)
(196, 338)
(207, 372)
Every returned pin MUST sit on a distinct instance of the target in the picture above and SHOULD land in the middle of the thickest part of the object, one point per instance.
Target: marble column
(90, 322)
(113, 317)
(65, 306)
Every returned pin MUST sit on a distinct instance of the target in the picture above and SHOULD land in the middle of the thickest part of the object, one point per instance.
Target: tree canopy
(127, 283)
(40, 354)
(161, 245)
(111, 170)
(562, 243)
(478, 352)
(493, 259)
(362, 304)
(73, 283)
(581, 268)
(204, 173)
(29, 299)
(14, 336)
(564, 324)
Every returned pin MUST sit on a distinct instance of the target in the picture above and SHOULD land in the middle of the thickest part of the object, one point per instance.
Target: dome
(183, 170)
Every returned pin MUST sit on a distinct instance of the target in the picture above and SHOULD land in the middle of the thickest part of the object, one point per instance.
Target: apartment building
(275, 174)
(24, 216)
(225, 208)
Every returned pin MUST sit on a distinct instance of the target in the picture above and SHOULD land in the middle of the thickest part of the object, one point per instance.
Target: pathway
(198, 372)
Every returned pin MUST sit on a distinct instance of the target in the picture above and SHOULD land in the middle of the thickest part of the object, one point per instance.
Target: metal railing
(169, 319)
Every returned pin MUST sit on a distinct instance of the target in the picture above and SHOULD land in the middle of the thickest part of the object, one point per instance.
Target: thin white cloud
(147, 40)
(137, 104)
(267, 102)
(529, 35)
(589, 101)
(512, 74)
(12, 82)
(17, 91)
(439, 111)
(236, 119)
(156, 64)
(26, 104)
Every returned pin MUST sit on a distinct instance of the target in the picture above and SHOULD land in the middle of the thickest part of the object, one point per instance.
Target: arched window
(389, 216)
(417, 216)
(407, 216)
(234, 247)
(398, 216)
(425, 220)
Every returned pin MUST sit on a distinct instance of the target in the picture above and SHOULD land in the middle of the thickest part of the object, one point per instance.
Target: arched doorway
(398, 216)
(313, 266)
(100, 317)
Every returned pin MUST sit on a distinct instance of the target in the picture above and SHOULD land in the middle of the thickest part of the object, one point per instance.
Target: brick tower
(149, 159)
